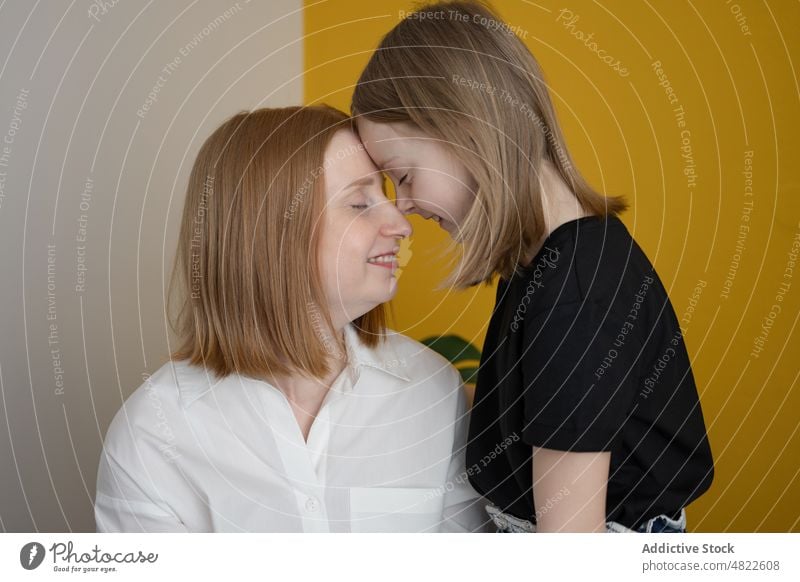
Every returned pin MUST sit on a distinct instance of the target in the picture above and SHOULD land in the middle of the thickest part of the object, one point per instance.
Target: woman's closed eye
(364, 202)
(359, 200)
(401, 180)
(367, 199)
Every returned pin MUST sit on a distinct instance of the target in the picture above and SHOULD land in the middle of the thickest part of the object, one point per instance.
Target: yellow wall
(731, 66)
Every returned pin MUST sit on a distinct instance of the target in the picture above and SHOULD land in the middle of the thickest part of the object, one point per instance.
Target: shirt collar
(383, 357)
(196, 381)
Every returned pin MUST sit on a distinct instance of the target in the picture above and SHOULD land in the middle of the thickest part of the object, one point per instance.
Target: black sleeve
(580, 376)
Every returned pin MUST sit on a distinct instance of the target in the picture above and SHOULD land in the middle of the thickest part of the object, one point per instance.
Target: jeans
(507, 523)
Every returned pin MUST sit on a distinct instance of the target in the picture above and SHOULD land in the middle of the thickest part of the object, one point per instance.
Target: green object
(459, 352)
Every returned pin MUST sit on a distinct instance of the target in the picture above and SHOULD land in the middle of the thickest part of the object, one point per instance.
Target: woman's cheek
(368, 225)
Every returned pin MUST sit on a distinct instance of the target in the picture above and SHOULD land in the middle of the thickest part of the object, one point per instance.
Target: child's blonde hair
(458, 73)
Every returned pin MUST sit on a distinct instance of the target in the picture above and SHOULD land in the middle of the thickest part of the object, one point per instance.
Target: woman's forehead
(347, 162)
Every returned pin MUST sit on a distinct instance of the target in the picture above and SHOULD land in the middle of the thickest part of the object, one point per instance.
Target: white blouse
(191, 452)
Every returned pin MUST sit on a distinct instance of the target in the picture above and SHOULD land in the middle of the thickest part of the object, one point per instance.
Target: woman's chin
(392, 291)
(385, 287)
(373, 302)
(387, 293)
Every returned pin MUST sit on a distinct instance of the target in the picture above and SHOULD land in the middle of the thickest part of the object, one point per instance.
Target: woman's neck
(306, 395)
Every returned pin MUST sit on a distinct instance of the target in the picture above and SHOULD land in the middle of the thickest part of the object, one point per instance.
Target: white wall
(72, 85)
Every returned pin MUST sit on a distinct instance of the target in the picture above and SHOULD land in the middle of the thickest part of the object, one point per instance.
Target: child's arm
(570, 490)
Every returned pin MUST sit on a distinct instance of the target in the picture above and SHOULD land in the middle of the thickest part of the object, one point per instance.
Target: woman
(288, 406)
(584, 373)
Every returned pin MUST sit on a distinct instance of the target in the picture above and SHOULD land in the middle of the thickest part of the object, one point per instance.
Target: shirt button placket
(312, 504)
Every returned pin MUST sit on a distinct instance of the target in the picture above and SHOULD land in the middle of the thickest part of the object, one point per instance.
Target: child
(586, 414)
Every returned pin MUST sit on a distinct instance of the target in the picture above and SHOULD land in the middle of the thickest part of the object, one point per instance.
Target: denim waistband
(507, 523)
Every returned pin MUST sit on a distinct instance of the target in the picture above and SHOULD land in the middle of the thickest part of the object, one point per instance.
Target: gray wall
(91, 190)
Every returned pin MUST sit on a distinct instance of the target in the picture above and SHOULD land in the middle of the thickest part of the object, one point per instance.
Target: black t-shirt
(584, 353)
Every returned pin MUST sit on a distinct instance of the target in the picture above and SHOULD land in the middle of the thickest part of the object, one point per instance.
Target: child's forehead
(371, 130)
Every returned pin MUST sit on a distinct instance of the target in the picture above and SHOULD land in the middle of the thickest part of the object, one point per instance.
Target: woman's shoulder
(153, 407)
(416, 360)
(162, 386)
(428, 381)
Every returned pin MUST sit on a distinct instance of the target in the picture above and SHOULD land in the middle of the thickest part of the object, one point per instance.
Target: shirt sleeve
(125, 503)
(463, 507)
(580, 375)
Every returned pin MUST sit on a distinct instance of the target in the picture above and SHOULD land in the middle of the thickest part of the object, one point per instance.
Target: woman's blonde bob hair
(252, 301)
(456, 71)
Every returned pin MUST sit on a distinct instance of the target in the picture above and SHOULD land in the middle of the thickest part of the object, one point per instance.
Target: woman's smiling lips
(386, 260)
